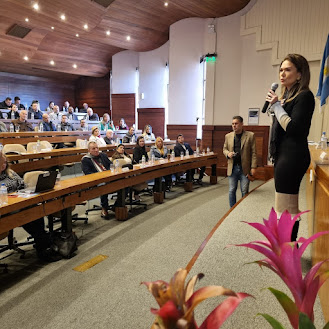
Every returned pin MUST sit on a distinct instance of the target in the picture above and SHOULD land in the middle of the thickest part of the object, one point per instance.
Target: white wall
(185, 74)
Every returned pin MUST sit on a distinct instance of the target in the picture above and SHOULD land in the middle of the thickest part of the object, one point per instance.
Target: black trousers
(37, 230)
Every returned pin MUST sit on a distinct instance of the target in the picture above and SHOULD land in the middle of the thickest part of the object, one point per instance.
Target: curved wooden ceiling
(145, 21)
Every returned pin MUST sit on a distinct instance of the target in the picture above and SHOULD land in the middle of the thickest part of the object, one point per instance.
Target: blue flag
(323, 91)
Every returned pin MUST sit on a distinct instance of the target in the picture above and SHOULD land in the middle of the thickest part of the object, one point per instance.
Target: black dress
(289, 148)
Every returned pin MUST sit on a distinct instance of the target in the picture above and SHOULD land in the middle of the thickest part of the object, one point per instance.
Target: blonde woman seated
(106, 124)
(147, 134)
(96, 137)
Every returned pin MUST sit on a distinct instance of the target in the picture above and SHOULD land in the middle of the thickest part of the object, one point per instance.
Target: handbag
(64, 243)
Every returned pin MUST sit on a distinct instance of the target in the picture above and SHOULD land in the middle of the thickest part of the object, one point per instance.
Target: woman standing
(291, 124)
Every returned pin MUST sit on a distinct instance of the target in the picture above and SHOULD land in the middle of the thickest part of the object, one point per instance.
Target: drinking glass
(17, 128)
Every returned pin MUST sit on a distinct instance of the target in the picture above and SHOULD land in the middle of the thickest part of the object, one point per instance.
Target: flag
(323, 91)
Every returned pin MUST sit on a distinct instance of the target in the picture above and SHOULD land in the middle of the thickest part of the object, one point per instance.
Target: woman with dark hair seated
(140, 150)
(121, 154)
(36, 228)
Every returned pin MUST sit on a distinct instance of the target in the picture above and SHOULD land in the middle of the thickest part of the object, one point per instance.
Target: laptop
(45, 182)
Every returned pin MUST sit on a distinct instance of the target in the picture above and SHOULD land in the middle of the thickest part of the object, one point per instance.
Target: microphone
(274, 87)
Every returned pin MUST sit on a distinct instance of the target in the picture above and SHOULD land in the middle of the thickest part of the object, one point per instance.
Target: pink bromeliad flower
(177, 303)
(283, 257)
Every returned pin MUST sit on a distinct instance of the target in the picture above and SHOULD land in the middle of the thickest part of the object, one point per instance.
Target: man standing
(93, 162)
(22, 123)
(240, 150)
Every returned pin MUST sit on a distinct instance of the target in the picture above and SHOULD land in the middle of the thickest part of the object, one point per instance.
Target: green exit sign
(211, 59)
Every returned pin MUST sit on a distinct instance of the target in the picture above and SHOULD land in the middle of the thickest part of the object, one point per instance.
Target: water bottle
(172, 156)
(3, 195)
(12, 115)
(11, 128)
(152, 159)
(76, 109)
(58, 176)
(116, 166)
(324, 141)
(38, 146)
(59, 127)
(1, 147)
(197, 151)
(187, 153)
(143, 161)
(70, 117)
(32, 116)
(208, 150)
(40, 126)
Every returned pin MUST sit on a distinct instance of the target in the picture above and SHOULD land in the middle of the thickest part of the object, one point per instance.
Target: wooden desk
(317, 191)
(59, 157)
(73, 191)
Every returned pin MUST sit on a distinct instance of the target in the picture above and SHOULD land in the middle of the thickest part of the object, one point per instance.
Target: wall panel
(154, 117)
(123, 106)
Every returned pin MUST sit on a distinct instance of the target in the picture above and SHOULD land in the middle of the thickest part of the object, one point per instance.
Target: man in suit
(93, 162)
(240, 150)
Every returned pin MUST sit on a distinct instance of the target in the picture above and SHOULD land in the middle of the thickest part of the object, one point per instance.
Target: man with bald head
(48, 125)
(91, 116)
(55, 116)
(22, 122)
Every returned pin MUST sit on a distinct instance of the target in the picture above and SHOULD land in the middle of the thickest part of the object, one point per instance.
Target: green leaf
(274, 323)
(326, 326)
(288, 305)
(305, 322)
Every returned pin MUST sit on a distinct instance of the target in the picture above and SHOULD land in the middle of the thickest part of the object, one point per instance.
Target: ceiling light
(25, 58)
(166, 4)
(63, 17)
(75, 66)
(53, 28)
(36, 6)
(85, 26)
(108, 32)
(77, 35)
(128, 37)
(52, 62)
(26, 19)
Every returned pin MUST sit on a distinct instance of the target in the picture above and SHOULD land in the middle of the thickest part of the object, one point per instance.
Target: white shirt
(99, 140)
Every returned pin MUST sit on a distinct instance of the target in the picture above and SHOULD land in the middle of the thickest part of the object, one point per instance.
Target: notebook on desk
(46, 181)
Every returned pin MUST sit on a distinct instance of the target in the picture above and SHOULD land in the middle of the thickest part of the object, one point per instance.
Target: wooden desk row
(22, 163)
(70, 192)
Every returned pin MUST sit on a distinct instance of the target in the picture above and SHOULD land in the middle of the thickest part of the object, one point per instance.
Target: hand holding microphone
(271, 97)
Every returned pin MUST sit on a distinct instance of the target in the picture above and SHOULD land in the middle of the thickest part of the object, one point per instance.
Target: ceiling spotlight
(63, 17)
(75, 66)
(77, 35)
(26, 19)
(53, 28)
(36, 6)
(25, 58)
(85, 26)
(128, 37)
(166, 4)
(52, 62)
(108, 32)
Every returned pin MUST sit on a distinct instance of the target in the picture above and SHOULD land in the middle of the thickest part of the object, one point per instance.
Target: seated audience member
(6, 104)
(36, 229)
(50, 107)
(35, 110)
(121, 154)
(185, 147)
(65, 125)
(3, 127)
(84, 108)
(95, 161)
(129, 136)
(160, 151)
(83, 125)
(66, 106)
(109, 137)
(91, 116)
(148, 135)
(71, 114)
(123, 125)
(140, 150)
(17, 102)
(55, 116)
(47, 124)
(22, 123)
(13, 113)
(96, 137)
(106, 124)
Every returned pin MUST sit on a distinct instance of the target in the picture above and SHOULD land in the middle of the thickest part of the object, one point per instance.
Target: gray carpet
(151, 245)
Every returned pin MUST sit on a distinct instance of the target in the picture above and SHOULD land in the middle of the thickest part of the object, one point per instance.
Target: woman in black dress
(291, 124)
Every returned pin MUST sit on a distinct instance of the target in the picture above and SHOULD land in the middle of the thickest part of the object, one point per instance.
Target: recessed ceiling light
(128, 37)
(26, 19)
(36, 6)
(75, 66)
(25, 58)
(53, 28)
(85, 26)
(108, 32)
(166, 4)
(52, 62)
(77, 35)
(63, 17)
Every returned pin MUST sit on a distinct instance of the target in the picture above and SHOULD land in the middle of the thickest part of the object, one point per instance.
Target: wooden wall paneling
(189, 132)
(123, 106)
(95, 92)
(154, 117)
(29, 88)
